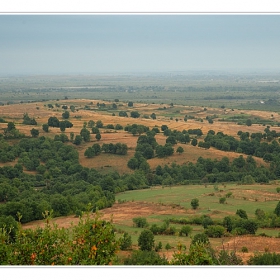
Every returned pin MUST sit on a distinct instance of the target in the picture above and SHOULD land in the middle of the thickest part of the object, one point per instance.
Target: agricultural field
(226, 105)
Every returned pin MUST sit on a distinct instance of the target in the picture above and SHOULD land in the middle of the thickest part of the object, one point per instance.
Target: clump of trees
(29, 121)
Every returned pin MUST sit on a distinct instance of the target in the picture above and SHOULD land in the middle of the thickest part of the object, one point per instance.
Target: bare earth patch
(117, 213)
(255, 195)
(253, 244)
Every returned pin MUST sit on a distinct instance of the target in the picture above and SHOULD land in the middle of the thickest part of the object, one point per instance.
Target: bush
(277, 209)
(91, 242)
(145, 258)
(242, 214)
(146, 241)
(265, 259)
(200, 238)
(140, 222)
(168, 246)
(222, 200)
(185, 230)
(125, 242)
(195, 203)
(244, 249)
(245, 226)
(207, 221)
(215, 231)
(228, 258)
(158, 247)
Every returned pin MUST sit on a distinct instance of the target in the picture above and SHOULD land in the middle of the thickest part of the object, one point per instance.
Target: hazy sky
(85, 44)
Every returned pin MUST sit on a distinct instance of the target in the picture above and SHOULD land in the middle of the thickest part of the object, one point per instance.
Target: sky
(36, 44)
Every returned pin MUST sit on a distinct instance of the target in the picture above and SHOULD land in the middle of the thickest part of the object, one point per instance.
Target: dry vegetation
(41, 112)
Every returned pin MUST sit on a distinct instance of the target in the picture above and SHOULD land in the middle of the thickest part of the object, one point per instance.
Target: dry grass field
(41, 112)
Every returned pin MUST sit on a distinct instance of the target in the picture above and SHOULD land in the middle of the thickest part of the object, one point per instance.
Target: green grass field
(243, 197)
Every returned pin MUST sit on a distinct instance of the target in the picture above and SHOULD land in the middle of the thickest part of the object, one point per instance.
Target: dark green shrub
(145, 258)
(140, 222)
(146, 240)
(244, 249)
(185, 230)
(242, 214)
(194, 203)
(125, 242)
(215, 231)
(265, 259)
(200, 238)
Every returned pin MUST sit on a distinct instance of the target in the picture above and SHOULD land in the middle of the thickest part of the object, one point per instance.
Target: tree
(179, 150)
(125, 242)
(123, 114)
(98, 136)
(194, 203)
(130, 104)
(277, 209)
(146, 240)
(260, 214)
(72, 136)
(153, 116)
(248, 122)
(95, 130)
(89, 152)
(134, 114)
(118, 127)
(194, 142)
(66, 115)
(78, 140)
(164, 127)
(11, 126)
(200, 238)
(242, 213)
(28, 120)
(133, 163)
(91, 123)
(85, 133)
(171, 139)
(228, 223)
(45, 127)
(62, 126)
(140, 222)
(97, 149)
(99, 124)
(34, 132)
(215, 231)
(53, 122)
(185, 230)
(72, 108)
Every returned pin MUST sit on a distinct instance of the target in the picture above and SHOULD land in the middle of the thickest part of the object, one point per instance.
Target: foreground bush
(201, 253)
(91, 242)
(265, 259)
(145, 258)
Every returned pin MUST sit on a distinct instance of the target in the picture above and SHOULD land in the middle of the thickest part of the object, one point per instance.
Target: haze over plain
(136, 43)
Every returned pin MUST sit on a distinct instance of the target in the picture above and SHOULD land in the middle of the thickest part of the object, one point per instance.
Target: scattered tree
(194, 203)
(146, 240)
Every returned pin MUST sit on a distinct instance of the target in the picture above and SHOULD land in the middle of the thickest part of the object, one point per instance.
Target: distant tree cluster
(29, 121)
(136, 129)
